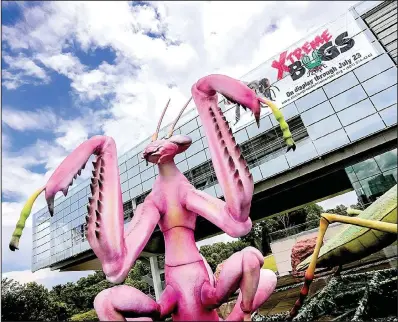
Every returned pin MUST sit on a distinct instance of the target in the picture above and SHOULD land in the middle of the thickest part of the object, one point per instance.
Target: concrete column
(155, 271)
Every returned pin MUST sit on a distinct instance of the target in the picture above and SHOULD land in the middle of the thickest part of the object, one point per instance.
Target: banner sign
(324, 55)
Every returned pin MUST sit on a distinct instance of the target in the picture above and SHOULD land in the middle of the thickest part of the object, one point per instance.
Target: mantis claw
(50, 204)
(291, 147)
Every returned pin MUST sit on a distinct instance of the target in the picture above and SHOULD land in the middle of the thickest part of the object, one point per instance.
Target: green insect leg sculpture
(375, 228)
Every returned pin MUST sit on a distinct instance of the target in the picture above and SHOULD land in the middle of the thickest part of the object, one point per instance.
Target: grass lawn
(269, 262)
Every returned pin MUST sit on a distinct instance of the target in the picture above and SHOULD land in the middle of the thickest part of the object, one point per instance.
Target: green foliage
(29, 302)
(34, 302)
(339, 210)
(313, 215)
(86, 316)
(218, 252)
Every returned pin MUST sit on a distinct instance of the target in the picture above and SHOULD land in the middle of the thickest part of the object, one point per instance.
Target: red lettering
(306, 48)
(326, 36)
(289, 57)
(298, 53)
(280, 65)
(317, 42)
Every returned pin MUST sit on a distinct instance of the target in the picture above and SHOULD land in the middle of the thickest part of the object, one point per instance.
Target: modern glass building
(340, 110)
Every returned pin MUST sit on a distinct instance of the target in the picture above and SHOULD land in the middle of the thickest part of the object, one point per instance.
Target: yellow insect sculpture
(372, 230)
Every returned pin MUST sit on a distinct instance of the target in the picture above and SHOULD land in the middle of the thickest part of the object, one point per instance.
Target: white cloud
(19, 67)
(65, 64)
(46, 277)
(43, 119)
(346, 199)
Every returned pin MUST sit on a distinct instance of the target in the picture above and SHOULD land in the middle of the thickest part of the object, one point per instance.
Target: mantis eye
(181, 140)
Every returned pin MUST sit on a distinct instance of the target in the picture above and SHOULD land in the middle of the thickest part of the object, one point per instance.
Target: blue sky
(71, 70)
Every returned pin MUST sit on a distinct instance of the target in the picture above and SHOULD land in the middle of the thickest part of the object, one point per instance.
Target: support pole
(157, 283)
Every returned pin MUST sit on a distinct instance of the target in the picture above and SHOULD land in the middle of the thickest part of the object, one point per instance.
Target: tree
(259, 235)
(218, 252)
(86, 316)
(29, 302)
(313, 212)
(338, 210)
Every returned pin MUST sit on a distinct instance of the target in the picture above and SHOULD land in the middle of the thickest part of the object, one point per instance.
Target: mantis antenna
(155, 135)
(178, 117)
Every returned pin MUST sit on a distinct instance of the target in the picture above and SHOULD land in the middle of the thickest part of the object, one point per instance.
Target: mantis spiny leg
(326, 220)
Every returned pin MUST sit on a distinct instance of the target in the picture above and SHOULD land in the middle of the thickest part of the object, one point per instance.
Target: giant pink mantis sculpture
(191, 292)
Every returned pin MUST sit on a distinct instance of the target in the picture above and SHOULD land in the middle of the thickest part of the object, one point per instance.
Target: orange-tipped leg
(309, 274)
(327, 219)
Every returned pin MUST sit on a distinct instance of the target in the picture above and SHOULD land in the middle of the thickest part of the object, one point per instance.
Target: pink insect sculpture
(191, 291)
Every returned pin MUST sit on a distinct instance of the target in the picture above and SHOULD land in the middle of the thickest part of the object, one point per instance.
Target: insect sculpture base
(375, 228)
(191, 292)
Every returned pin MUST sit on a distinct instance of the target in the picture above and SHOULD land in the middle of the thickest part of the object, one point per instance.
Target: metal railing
(290, 231)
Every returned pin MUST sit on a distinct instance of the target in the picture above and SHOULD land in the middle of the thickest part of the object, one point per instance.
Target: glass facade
(352, 107)
(373, 177)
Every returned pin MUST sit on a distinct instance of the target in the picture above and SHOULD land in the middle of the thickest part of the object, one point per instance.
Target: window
(326, 126)
(125, 186)
(241, 136)
(378, 64)
(356, 112)
(331, 141)
(123, 177)
(131, 162)
(351, 174)
(197, 159)
(179, 157)
(305, 151)
(82, 193)
(274, 166)
(133, 171)
(194, 148)
(314, 98)
(125, 196)
(389, 115)
(121, 159)
(366, 169)
(78, 234)
(182, 166)
(194, 135)
(385, 98)
(189, 127)
(340, 85)
(253, 130)
(364, 127)
(135, 191)
(141, 198)
(147, 174)
(348, 98)
(317, 113)
(381, 81)
(147, 185)
(128, 209)
(387, 161)
(122, 167)
(143, 166)
(376, 186)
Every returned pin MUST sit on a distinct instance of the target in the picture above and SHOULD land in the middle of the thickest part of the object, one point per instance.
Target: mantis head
(164, 150)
